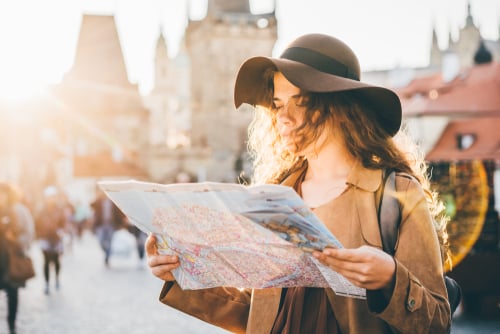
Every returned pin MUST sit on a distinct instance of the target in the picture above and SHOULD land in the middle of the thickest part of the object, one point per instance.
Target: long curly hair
(345, 113)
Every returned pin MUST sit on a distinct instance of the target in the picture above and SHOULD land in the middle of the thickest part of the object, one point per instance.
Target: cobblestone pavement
(120, 299)
(94, 299)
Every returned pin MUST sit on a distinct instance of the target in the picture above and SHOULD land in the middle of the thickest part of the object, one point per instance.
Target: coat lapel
(366, 182)
(263, 310)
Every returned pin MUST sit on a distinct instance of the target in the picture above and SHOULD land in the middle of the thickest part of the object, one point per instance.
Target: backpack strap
(389, 220)
(389, 211)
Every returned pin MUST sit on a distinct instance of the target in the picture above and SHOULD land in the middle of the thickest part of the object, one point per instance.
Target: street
(120, 299)
(94, 299)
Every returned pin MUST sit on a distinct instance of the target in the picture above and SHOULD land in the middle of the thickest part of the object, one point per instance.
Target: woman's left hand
(366, 267)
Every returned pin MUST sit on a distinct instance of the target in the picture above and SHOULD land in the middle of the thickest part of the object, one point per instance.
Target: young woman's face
(289, 109)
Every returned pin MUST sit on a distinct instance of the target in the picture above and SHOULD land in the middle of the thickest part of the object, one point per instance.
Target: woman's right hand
(161, 265)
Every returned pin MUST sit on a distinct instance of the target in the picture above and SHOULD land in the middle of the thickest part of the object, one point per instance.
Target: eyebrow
(296, 96)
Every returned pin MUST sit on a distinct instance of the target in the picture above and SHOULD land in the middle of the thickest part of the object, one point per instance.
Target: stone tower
(217, 46)
(435, 54)
(169, 115)
(467, 42)
(463, 49)
(102, 111)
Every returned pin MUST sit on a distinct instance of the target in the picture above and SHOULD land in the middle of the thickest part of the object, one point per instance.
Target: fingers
(363, 254)
(159, 260)
(366, 267)
(344, 254)
(162, 265)
(164, 271)
(150, 245)
(342, 262)
(164, 275)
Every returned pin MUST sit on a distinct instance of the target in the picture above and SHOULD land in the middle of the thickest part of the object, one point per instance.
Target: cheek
(297, 117)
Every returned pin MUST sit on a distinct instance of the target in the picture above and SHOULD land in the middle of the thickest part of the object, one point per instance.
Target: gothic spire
(161, 44)
(469, 21)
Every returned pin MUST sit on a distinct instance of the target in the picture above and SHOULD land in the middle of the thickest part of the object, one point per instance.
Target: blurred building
(96, 124)
(457, 55)
(463, 49)
(194, 126)
(168, 103)
(452, 108)
(99, 111)
(88, 127)
(102, 108)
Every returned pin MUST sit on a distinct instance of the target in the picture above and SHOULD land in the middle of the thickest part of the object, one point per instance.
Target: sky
(38, 37)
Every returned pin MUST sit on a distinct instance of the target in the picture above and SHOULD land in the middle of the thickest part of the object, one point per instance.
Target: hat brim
(250, 88)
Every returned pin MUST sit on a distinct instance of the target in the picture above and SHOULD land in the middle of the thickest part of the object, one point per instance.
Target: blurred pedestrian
(107, 219)
(140, 238)
(16, 232)
(50, 226)
(25, 219)
(81, 218)
(69, 210)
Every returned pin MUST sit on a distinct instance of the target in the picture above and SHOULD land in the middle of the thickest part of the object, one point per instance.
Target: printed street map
(232, 235)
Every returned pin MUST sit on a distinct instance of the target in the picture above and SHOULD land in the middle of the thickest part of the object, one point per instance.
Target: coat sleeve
(227, 308)
(419, 301)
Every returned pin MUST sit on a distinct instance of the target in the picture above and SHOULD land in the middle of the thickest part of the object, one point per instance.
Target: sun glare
(29, 59)
(20, 80)
(16, 90)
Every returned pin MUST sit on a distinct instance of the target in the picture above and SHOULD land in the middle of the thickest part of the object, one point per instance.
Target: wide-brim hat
(317, 63)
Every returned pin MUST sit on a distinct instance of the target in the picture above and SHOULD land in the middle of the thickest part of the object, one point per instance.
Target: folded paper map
(232, 235)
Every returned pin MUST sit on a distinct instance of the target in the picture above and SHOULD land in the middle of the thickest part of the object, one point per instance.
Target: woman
(317, 128)
(12, 236)
(50, 224)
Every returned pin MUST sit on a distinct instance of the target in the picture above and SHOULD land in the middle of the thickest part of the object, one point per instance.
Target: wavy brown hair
(343, 113)
(346, 114)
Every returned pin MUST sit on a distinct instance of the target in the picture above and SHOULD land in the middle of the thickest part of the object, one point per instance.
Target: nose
(283, 117)
(284, 114)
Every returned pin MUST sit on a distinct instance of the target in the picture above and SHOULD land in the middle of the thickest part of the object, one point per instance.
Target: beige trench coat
(417, 305)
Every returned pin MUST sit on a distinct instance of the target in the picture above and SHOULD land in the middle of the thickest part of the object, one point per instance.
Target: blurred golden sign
(463, 188)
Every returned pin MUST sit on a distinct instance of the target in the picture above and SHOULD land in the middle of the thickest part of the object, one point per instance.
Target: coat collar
(364, 178)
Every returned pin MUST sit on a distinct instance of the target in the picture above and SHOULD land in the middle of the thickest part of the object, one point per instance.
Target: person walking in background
(107, 219)
(16, 232)
(320, 130)
(25, 219)
(69, 211)
(50, 225)
(81, 218)
(140, 238)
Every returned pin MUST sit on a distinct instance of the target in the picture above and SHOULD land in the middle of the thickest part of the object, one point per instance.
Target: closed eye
(297, 100)
(276, 107)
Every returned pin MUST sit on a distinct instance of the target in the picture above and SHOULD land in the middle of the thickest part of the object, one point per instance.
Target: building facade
(99, 114)
(212, 51)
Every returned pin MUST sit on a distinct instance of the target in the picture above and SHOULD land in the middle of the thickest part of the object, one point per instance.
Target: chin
(289, 147)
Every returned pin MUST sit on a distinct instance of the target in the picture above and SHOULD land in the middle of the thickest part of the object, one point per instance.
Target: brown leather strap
(389, 212)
